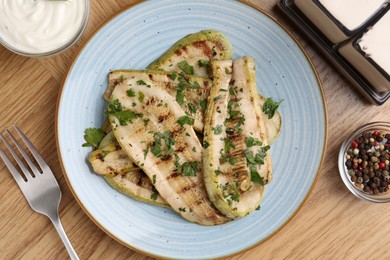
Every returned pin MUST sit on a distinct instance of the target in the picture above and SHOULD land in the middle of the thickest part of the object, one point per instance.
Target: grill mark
(178, 52)
(219, 45)
(139, 181)
(204, 47)
(173, 176)
(163, 117)
(187, 188)
(151, 76)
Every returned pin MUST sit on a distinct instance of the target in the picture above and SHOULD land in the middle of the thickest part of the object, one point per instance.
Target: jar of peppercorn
(364, 162)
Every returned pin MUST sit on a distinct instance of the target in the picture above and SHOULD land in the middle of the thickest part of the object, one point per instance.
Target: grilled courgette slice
(193, 53)
(157, 134)
(136, 185)
(190, 92)
(236, 161)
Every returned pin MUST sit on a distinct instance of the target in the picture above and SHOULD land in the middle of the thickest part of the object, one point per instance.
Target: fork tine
(24, 154)
(15, 173)
(16, 157)
(41, 162)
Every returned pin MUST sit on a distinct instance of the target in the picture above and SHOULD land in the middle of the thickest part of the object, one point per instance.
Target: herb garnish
(217, 130)
(157, 148)
(251, 141)
(131, 92)
(93, 137)
(141, 96)
(185, 120)
(190, 168)
(186, 68)
(270, 107)
(203, 63)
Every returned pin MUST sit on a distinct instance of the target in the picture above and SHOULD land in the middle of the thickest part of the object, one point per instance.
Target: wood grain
(332, 224)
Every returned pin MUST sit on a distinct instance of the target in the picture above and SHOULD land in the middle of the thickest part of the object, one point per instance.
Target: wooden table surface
(332, 224)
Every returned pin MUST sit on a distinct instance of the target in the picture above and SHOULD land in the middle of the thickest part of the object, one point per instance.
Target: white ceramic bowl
(61, 48)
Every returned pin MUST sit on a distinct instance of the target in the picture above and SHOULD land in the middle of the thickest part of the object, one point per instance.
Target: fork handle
(57, 224)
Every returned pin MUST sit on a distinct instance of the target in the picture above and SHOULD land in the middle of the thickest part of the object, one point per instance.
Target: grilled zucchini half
(192, 53)
(236, 161)
(157, 134)
(190, 92)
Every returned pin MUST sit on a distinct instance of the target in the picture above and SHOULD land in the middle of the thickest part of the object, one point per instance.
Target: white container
(369, 53)
(339, 19)
(38, 28)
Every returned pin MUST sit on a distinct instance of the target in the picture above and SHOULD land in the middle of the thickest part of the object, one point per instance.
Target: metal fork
(39, 186)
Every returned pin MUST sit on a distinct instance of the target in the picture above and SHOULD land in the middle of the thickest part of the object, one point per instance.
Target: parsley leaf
(93, 137)
(251, 141)
(114, 106)
(203, 63)
(217, 130)
(141, 82)
(190, 168)
(131, 92)
(255, 176)
(173, 75)
(203, 104)
(270, 107)
(185, 120)
(154, 195)
(186, 68)
(141, 97)
(126, 116)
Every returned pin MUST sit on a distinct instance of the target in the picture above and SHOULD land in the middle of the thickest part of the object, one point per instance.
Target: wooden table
(332, 224)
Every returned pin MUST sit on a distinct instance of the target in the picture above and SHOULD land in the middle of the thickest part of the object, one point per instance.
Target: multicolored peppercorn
(367, 161)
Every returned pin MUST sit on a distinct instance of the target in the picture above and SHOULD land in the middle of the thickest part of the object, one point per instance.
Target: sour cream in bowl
(39, 28)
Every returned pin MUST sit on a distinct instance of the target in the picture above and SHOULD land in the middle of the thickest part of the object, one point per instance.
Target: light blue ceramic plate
(136, 37)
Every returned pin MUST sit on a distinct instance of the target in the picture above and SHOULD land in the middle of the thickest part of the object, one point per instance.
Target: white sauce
(352, 13)
(376, 42)
(39, 26)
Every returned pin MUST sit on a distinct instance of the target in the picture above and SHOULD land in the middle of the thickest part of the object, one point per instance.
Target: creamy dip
(352, 13)
(376, 42)
(40, 26)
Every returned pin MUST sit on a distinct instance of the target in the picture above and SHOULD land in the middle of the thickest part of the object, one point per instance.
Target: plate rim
(95, 221)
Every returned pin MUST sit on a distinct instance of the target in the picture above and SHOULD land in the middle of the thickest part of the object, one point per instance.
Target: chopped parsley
(203, 63)
(217, 98)
(141, 96)
(254, 160)
(154, 195)
(192, 108)
(126, 116)
(154, 179)
(141, 83)
(186, 68)
(205, 144)
(173, 75)
(217, 130)
(270, 107)
(203, 104)
(114, 106)
(157, 148)
(185, 120)
(93, 137)
(131, 92)
(251, 141)
(190, 168)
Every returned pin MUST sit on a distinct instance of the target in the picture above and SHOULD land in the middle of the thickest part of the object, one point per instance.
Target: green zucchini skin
(205, 46)
(136, 185)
